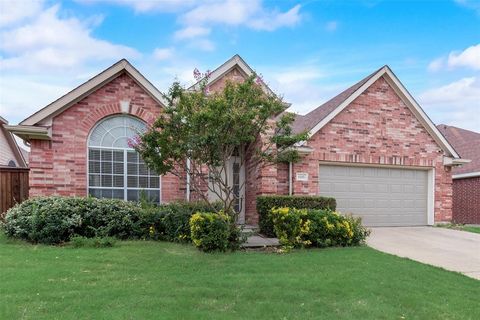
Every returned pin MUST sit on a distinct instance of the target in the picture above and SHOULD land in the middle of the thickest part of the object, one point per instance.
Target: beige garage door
(381, 196)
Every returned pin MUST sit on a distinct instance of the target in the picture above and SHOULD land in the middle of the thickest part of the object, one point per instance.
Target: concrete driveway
(449, 249)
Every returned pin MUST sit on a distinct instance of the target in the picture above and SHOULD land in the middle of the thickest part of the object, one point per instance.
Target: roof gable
(12, 143)
(318, 118)
(42, 116)
(234, 62)
(467, 144)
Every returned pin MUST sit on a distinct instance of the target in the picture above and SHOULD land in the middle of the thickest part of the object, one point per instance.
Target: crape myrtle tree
(199, 133)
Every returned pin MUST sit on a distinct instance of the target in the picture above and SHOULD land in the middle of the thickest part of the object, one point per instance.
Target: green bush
(96, 242)
(318, 228)
(54, 219)
(210, 231)
(266, 203)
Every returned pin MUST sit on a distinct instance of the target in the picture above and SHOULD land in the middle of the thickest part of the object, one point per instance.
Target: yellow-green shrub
(319, 228)
(214, 231)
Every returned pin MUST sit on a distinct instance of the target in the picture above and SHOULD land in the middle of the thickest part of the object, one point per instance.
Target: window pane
(154, 182)
(94, 166)
(118, 181)
(132, 181)
(106, 167)
(94, 180)
(142, 168)
(143, 182)
(118, 156)
(132, 195)
(97, 193)
(117, 194)
(154, 196)
(94, 154)
(132, 168)
(118, 168)
(106, 181)
(106, 155)
(132, 156)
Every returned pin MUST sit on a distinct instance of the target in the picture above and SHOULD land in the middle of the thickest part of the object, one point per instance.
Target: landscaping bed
(162, 280)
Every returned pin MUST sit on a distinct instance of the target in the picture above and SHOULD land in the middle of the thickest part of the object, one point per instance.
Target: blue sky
(307, 51)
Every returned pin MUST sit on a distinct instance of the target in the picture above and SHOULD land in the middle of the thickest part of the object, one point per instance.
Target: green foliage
(318, 228)
(176, 219)
(96, 242)
(210, 231)
(54, 219)
(266, 203)
(210, 127)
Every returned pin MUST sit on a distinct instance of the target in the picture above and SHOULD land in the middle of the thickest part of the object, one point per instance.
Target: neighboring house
(372, 147)
(10, 153)
(466, 179)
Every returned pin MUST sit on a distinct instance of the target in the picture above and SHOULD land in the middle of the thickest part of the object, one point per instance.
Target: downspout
(188, 179)
(290, 178)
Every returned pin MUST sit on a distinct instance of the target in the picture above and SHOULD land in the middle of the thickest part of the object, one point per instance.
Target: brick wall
(466, 200)
(377, 128)
(59, 166)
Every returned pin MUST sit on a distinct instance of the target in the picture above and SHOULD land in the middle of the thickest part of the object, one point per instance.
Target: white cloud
(47, 41)
(14, 11)
(331, 25)
(146, 6)
(191, 32)
(163, 53)
(270, 21)
(469, 58)
(456, 103)
(471, 4)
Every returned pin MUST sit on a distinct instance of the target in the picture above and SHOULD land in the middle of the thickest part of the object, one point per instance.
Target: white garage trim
(430, 197)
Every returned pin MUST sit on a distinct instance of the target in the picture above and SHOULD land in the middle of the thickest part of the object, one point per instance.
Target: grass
(461, 227)
(158, 280)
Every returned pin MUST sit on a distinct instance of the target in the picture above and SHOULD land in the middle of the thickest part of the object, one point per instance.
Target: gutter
(466, 175)
(30, 132)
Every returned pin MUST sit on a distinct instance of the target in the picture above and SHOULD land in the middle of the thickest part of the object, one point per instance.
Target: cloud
(14, 11)
(456, 103)
(147, 6)
(468, 58)
(191, 32)
(47, 41)
(163, 53)
(471, 4)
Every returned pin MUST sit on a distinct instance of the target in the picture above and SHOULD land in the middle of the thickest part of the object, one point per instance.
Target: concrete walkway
(446, 248)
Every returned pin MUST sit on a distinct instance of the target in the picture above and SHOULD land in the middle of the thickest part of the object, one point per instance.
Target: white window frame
(125, 187)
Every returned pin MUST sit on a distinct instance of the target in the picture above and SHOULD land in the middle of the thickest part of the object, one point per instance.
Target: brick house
(372, 147)
(466, 179)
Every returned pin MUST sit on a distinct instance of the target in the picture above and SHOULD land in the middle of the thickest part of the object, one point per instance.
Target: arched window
(115, 170)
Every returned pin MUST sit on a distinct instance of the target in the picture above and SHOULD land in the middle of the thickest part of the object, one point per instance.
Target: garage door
(381, 196)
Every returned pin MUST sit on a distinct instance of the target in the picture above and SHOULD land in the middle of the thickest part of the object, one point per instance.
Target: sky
(306, 51)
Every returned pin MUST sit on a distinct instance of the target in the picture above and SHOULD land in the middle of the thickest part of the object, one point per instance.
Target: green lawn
(462, 227)
(157, 280)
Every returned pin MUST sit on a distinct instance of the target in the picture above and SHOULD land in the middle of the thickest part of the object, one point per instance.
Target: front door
(235, 177)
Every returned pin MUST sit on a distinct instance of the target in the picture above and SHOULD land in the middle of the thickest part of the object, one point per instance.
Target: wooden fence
(13, 187)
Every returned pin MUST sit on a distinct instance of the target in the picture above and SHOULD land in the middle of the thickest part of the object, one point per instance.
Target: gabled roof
(319, 117)
(13, 144)
(467, 144)
(123, 66)
(227, 66)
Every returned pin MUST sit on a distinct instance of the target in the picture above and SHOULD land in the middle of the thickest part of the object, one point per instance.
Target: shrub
(210, 231)
(96, 242)
(319, 228)
(54, 219)
(266, 203)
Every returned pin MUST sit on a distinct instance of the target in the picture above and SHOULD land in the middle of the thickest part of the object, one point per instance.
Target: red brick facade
(466, 200)
(376, 128)
(59, 166)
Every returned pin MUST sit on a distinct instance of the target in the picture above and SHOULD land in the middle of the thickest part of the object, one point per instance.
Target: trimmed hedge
(266, 203)
(55, 219)
(318, 228)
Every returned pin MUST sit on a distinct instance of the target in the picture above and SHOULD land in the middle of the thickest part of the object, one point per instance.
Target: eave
(30, 132)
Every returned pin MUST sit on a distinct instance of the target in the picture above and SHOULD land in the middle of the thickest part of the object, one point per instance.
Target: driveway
(449, 249)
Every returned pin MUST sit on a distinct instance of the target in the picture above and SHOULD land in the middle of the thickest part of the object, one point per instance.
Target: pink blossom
(196, 74)
(259, 80)
(134, 142)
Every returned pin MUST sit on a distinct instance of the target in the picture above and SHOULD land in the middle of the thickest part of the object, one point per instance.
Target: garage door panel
(381, 196)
